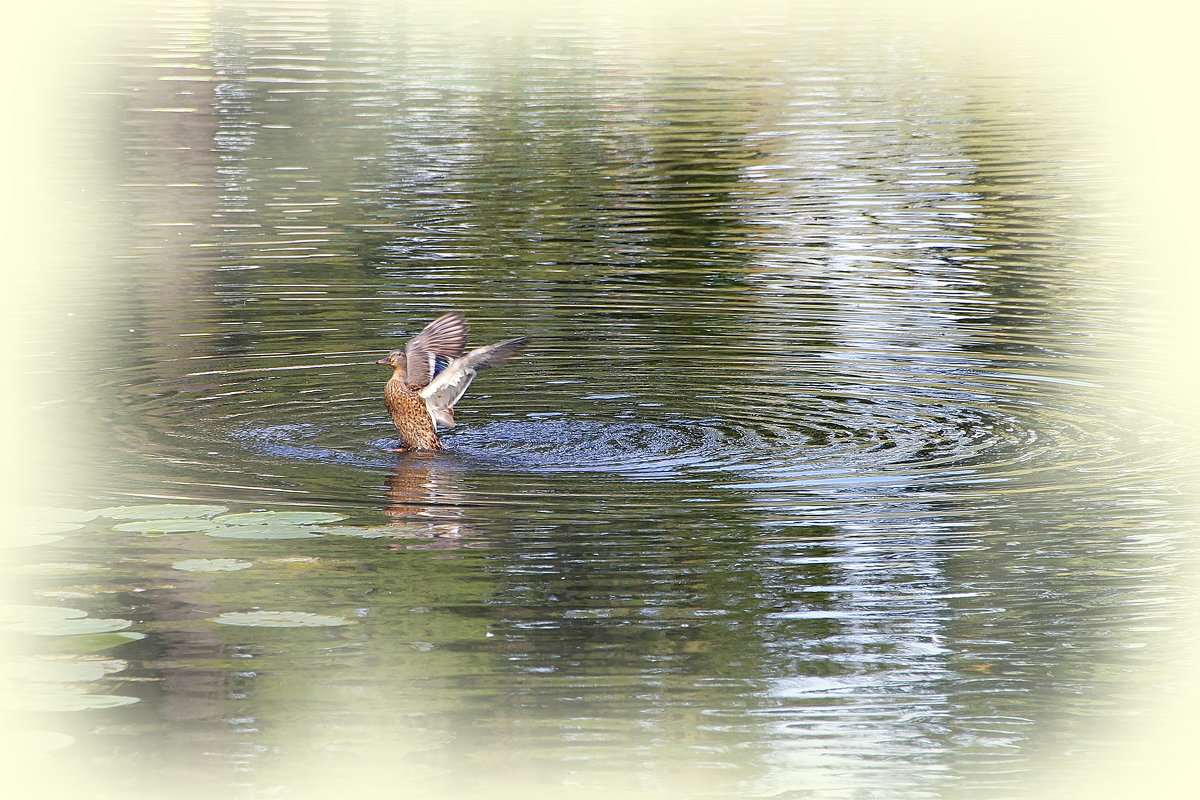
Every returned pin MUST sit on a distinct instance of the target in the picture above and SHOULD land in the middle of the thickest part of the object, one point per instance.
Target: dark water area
(815, 480)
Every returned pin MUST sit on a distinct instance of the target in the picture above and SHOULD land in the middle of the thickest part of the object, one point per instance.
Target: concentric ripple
(891, 434)
(833, 441)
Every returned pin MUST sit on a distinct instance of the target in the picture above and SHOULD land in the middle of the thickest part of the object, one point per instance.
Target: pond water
(814, 481)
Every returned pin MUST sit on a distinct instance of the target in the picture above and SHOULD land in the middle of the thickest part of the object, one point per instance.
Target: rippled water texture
(814, 481)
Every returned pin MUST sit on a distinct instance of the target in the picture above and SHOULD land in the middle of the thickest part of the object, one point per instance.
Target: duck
(431, 374)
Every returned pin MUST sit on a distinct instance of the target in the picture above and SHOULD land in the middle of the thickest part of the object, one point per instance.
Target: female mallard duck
(431, 374)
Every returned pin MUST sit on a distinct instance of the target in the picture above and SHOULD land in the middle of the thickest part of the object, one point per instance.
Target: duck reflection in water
(431, 374)
(424, 502)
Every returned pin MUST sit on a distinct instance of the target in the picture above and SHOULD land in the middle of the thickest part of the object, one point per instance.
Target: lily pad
(62, 568)
(72, 670)
(74, 702)
(69, 627)
(38, 613)
(23, 539)
(92, 643)
(42, 527)
(55, 514)
(274, 517)
(261, 532)
(362, 533)
(162, 511)
(278, 619)
(165, 526)
(212, 565)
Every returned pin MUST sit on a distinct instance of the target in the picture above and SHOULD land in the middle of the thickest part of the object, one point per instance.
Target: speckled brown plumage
(409, 415)
(431, 374)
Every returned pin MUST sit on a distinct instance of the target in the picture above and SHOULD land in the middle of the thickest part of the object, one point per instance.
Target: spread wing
(431, 350)
(451, 383)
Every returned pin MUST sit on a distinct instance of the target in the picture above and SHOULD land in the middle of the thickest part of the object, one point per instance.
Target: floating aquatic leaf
(59, 670)
(165, 526)
(69, 627)
(53, 567)
(73, 593)
(38, 613)
(26, 539)
(278, 619)
(73, 702)
(362, 533)
(212, 565)
(26, 522)
(162, 511)
(261, 532)
(42, 527)
(93, 643)
(272, 517)
(52, 514)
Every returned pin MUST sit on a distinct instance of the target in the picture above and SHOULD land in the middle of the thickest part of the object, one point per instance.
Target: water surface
(814, 482)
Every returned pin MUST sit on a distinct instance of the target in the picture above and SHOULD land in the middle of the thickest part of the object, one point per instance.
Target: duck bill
(384, 362)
